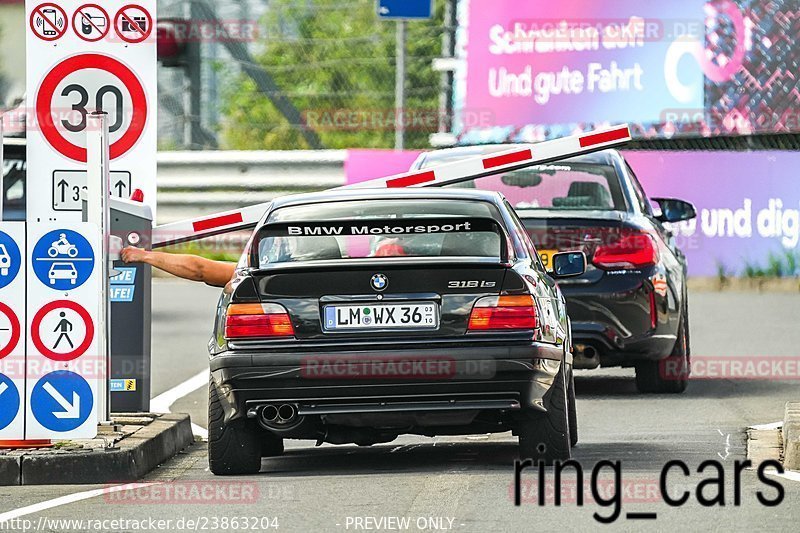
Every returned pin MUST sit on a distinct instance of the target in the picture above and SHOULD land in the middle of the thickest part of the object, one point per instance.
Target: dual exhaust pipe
(278, 416)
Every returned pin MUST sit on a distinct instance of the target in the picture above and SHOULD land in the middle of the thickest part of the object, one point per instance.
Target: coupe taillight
(503, 313)
(631, 250)
(257, 321)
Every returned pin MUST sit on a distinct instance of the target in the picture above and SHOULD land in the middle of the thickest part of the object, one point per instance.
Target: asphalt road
(466, 483)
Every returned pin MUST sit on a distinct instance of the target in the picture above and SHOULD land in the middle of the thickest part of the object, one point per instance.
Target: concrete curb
(791, 436)
(135, 456)
(714, 284)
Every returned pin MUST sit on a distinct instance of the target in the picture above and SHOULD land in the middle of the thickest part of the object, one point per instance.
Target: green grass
(779, 265)
(209, 252)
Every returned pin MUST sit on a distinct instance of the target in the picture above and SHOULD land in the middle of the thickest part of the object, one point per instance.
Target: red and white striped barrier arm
(520, 156)
(208, 226)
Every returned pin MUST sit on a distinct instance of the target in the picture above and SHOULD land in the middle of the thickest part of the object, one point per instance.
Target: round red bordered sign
(15, 330)
(44, 104)
(133, 23)
(91, 22)
(49, 22)
(36, 336)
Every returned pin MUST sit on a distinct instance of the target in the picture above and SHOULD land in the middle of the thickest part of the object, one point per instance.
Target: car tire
(545, 436)
(670, 375)
(233, 448)
(572, 410)
(271, 445)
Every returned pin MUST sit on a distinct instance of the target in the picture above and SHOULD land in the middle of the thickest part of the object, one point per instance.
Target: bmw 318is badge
(379, 282)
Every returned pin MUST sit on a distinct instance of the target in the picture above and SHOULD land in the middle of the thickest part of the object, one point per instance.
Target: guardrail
(192, 184)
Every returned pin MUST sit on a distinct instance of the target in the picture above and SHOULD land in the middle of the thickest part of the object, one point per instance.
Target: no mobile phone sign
(85, 56)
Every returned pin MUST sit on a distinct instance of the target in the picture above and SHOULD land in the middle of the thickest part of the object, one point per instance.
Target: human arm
(191, 267)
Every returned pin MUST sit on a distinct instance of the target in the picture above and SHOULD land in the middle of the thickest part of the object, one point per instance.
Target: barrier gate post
(130, 300)
(98, 191)
(126, 297)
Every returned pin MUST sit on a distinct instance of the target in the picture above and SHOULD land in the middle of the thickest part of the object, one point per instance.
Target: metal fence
(296, 74)
(192, 184)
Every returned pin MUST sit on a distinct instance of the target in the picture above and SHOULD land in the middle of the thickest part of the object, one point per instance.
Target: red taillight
(257, 320)
(653, 310)
(631, 250)
(504, 312)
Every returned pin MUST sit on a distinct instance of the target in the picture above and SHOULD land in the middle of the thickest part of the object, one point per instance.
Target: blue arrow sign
(9, 401)
(63, 259)
(10, 259)
(405, 9)
(62, 401)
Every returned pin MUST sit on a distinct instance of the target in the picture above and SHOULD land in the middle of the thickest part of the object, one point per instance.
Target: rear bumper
(613, 316)
(388, 381)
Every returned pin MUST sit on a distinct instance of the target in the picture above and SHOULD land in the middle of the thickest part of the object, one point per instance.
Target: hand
(131, 254)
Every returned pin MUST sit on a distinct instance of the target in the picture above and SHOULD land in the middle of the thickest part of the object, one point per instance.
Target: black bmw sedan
(357, 316)
(630, 306)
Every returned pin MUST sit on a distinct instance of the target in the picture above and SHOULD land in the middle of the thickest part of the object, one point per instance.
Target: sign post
(12, 330)
(85, 57)
(65, 366)
(91, 89)
(400, 11)
(99, 214)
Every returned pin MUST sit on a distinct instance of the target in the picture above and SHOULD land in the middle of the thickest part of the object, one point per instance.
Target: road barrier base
(791, 436)
(130, 459)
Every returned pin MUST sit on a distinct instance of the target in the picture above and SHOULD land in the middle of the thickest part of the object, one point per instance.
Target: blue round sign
(10, 259)
(62, 401)
(63, 259)
(9, 401)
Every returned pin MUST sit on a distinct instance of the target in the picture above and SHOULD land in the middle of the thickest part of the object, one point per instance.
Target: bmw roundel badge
(379, 282)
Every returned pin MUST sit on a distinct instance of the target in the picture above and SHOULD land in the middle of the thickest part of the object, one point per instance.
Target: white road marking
(164, 401)
(767, 427)
(68, 499)
(791, 475)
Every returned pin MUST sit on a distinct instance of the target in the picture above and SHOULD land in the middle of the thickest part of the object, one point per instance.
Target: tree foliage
(335, 61)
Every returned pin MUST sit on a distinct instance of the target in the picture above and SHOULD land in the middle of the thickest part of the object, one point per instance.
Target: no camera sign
(85, 56)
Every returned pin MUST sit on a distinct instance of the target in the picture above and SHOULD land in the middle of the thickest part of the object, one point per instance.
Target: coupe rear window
(378, 230)
(560, 186)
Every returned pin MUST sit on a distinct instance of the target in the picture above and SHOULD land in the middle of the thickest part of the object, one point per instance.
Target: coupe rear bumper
(387, 381)
(614, 317)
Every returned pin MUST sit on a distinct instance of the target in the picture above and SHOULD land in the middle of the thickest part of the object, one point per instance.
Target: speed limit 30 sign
(106, 62)
(85, 83)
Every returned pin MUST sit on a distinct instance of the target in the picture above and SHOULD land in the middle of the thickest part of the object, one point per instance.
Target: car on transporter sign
(357, 316)
(630, 307)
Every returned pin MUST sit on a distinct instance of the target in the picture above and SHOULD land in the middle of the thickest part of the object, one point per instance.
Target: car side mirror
(674, 210)
(568, 264)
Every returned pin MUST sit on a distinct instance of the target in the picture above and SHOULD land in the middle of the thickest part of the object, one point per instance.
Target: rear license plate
(547, 258)
(381, 316)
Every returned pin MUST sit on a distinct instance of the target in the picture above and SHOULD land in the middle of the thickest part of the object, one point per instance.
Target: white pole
(400, 86)
(98, 191)
(2, 167)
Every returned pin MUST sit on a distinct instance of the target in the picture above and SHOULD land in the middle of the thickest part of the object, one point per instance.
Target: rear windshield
(559, 186)
(380, 229)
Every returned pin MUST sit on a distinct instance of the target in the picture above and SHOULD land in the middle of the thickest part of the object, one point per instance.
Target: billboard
(687, 67)
(748, 203)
